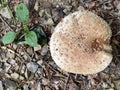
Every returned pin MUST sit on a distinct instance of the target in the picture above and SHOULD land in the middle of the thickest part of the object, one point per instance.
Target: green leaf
(25, 27)
(22, 13)
(31, 38)
(8, 37)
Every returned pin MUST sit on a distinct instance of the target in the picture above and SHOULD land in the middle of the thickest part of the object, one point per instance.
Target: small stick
(50, 67)
(5, 23)
(54, 69)
(65, 88)
(10, 50)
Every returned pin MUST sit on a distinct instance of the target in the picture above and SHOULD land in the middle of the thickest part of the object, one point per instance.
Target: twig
(65, 88)
(54, 69)
(5, 23)
(10, 50)
(50, 67)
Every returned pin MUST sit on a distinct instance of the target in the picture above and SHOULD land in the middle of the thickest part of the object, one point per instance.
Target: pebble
(52, 29)
(118, 6)
(31, 76)
(47, 88)
(21, 78)
(22, 53)
(37, 57)
(5, 12)
(16, 66)
(0, 58)
(1, 69)
(36, 7)
(104, 85)
(41, 12)
(22, 69)
(80, 8)
(1, 85)
(32, 66)
(112, 85)
(48, 12)
(37, 48)
(30, 51)
(12, 61)
(7, 67)
(15, 75)
(40, 62)
(117, 84)
(19, 89)
(110, 89)
(39, 71)
(3, 56)
(10, 84)
(45, 81)
(50, 22)
(67, 9)
(7, 75)
(25, 56)
(14, 46)
(39, 86)
(44, 50)
(25, 87)
(10, 55)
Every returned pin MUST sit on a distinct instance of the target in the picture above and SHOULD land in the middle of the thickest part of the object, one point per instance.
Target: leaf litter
(44, 74)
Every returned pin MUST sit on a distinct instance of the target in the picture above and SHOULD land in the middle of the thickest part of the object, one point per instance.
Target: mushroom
(80, 43)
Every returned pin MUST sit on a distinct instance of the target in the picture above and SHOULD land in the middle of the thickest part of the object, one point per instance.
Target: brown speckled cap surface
(80, 43)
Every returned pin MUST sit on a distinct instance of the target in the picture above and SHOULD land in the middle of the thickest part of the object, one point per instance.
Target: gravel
(15, 75)
(37, 48)
(5, 13)
(26, 68)
(1, 85)
(44, 50)
(32, 66)
(11, 85)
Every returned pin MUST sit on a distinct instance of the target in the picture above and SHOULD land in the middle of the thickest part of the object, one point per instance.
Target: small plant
(30, 37)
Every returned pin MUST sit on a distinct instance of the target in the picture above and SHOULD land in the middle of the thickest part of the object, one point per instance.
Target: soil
(25, 68)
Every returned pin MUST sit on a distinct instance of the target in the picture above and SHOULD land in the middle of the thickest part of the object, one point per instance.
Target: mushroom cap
(80, 43)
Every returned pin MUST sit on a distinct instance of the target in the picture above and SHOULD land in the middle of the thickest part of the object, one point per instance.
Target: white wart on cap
(81, 43)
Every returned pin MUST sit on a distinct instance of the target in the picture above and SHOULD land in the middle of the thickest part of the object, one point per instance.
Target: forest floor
(25, 68)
